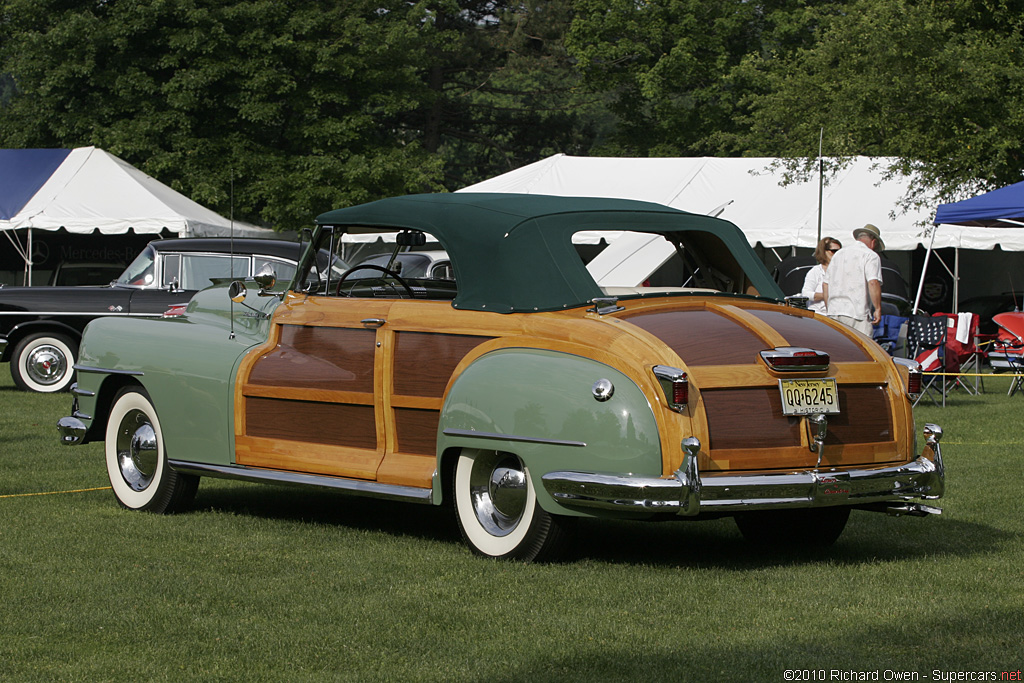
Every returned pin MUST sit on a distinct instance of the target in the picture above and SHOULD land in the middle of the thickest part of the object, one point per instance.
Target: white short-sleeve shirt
(847, 278)
(812, 285)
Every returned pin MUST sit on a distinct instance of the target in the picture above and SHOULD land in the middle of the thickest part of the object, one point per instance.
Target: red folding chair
(962, 353)
(1007, 351)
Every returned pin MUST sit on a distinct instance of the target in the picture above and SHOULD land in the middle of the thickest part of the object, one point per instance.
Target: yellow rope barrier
(971, 374)
(53, 493)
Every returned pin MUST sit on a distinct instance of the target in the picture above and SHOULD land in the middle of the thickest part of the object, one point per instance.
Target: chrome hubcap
(137, 453)
(46, 364)
(498, 489)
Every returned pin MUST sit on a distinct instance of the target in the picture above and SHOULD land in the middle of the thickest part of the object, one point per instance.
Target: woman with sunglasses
(816, 275)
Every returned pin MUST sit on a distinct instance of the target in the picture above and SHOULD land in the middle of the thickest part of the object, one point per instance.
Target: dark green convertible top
(514, 252)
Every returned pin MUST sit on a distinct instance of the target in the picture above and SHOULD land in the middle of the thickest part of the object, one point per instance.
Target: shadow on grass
(869, 537)
(321, 506)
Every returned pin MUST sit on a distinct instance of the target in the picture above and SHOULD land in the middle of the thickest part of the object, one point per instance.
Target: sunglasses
(834, 250)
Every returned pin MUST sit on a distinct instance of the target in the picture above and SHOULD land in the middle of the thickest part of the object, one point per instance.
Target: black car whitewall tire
(44, 362)
(136, 459)
(496, 506)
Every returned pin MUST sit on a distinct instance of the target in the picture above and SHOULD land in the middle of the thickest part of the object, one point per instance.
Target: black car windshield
(142, 271)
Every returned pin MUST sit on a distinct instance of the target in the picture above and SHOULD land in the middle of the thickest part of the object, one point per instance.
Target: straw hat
(870, 231)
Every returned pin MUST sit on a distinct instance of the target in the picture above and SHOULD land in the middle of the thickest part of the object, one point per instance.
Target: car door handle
(374, 322)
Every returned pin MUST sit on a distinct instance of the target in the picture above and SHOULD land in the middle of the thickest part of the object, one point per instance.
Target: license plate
(809, 396)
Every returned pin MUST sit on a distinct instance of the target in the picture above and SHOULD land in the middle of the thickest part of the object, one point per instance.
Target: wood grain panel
(702, 337)
(319, 358)
(865, 418)
(815, 334)
(749, 423)
(749, 418)
(294, 456)
(424, 361)
(336, 424)
(407, 470)
(417, 430)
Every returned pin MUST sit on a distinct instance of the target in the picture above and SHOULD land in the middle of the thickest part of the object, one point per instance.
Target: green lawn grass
(264, 583)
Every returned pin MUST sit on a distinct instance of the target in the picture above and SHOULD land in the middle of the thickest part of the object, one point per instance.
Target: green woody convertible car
(520, 392)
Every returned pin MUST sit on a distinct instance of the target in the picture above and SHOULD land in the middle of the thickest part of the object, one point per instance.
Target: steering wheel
(369, 266)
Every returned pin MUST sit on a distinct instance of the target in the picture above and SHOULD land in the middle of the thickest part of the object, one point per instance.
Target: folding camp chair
(926, 343)
(887, 332)
(1007, 351)
(962, 352)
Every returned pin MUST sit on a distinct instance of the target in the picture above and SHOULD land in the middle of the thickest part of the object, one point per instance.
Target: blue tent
(22, 173)
(999, 208)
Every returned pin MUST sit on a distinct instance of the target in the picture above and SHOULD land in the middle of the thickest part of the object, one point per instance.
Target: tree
(297, 104)
(939, 85)
(293, 106)
(665, 64)
(501, 90)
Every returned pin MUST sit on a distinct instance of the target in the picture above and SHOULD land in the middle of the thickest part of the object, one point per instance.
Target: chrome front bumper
(688, 493)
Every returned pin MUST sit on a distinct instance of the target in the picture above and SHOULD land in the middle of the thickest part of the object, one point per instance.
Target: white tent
(87, 189)
(748, 192)
(93, 189)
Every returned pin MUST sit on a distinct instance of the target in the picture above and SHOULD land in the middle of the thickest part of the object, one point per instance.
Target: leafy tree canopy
(295, 106)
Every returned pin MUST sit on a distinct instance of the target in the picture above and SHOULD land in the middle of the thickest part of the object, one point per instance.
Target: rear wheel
(497, 508)
(789, 529)
(44, 362)
(136, 461)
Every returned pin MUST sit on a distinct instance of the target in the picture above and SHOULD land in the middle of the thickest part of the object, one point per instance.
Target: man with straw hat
(853, 281)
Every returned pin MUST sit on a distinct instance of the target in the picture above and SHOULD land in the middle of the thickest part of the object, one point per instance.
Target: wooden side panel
(417, 430)
(334, 424)
(424, 361)
(309, 357)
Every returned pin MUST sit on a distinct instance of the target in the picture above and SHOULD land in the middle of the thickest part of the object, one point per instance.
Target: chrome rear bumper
(689, 493)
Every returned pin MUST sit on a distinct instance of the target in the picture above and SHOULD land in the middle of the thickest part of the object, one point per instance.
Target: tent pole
(821, 183)
(28, 261)
(924, 270)
(956, 281)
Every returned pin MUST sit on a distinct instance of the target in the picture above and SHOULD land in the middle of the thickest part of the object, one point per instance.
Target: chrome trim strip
(365, 488)
(104, 312)
(108, 371)
(511, 437)
(689, 493)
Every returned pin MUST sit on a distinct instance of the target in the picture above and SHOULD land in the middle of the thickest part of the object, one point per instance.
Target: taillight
(674, 385)
(175, 311)
(914, 375)
(795, 358)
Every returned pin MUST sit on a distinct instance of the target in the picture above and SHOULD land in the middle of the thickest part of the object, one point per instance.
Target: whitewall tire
(497, 510)
(44, 362)
(136, 460)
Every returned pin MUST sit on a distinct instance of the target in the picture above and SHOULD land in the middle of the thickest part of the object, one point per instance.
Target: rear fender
(541, 405)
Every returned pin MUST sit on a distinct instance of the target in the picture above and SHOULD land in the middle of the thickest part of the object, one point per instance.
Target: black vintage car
(40, 327)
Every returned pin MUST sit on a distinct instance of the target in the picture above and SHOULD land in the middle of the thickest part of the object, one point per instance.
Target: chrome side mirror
(237, 291)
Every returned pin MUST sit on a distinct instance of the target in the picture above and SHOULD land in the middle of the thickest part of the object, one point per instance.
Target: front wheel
(136, 460)
(44, 362)
(497, 508)
(793, 529)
